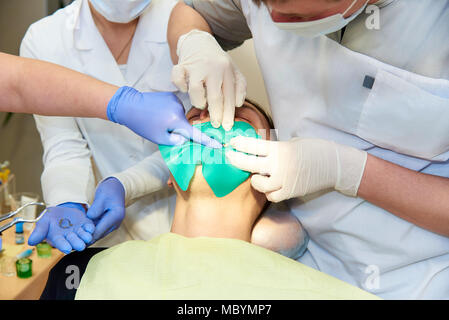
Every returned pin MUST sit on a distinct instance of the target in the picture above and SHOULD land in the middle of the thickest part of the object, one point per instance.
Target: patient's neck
(202, 214)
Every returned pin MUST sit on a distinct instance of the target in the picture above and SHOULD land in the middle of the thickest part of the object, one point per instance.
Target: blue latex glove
(65, 227)
(108, 208)
(156, 116)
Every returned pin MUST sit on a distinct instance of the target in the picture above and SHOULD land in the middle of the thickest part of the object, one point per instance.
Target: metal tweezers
(19, 220)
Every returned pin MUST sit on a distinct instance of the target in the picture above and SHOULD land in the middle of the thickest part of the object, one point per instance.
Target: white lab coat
(404, 118)
(70, 38)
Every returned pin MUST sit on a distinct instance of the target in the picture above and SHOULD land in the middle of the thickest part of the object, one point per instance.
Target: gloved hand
(298, 167)
(65, 227)
(209, 74)
(108, 208)
(156, 116)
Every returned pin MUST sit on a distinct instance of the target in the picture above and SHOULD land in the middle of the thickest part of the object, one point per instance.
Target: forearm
(148, 176)
(416, 197)
(182, 20)
(32, 86)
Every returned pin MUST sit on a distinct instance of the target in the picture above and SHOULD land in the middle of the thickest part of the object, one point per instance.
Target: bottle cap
(19, 227)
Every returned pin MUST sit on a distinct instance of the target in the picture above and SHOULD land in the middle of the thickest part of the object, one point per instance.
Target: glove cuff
(113, 105)
(351, 165)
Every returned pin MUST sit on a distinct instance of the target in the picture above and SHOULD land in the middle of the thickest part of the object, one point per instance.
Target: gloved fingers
(247, 162)
(97, 208)
(174, 139)
(179, 77)
(277, 196)
(240, 87)
(62, 244)
(85, 236)
(251, 145)
(89, 227)
(109, 231)
(190, 132)
(108, 221)
(39, 233)
(264, 184)
(197, 93)
(215, 99)
(75, 242)
(228, 100)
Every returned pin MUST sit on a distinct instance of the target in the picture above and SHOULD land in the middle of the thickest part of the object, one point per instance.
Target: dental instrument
(21, 220)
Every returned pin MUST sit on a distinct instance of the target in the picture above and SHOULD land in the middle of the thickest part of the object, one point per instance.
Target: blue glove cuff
(73, 205)
(113, 104)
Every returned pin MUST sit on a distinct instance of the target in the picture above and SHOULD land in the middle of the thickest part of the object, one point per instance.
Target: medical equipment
(20, 239)
(315, 28)
(220, 175)
(20, 220)
(24, 268)
(25, 254)
(120, 11)
(110, 199)
(193, 76)
(43, 250)
(167, 125)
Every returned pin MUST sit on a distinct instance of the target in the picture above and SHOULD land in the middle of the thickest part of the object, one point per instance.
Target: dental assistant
(121, 42)
(363, 121)
(32, 86)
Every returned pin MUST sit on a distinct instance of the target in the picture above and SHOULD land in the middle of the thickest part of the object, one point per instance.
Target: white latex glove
(298, 167)
(209, 75)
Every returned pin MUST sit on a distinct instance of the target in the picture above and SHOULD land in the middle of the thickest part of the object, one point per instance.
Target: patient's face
(198, 186)
(247, 113)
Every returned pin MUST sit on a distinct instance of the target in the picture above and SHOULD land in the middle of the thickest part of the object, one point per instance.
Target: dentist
(363, 122)
(121, 42)
(31, 86)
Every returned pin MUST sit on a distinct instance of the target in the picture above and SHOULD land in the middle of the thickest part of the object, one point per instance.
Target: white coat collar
(96, 57)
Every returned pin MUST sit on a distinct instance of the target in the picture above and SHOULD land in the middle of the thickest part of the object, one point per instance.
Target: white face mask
(322, 26)
(120, 11)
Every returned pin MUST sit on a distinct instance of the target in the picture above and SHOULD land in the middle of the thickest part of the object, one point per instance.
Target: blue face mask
(221, 176)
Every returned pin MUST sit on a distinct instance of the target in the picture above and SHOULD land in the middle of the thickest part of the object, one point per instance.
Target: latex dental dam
(221, 176)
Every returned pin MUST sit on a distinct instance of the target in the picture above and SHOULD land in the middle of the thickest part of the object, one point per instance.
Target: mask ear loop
(352, 4)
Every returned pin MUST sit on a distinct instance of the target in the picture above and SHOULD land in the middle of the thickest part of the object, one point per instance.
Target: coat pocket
(405, 118)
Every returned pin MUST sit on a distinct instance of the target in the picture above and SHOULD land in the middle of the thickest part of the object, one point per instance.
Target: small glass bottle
(24, 268)
(20, 239)
(43, 250)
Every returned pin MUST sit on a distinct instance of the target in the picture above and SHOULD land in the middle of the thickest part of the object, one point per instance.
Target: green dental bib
(220, 175)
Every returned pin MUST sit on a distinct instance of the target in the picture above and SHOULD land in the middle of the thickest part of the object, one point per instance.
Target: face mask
(322, 26)
(221, 176)
(120, 11)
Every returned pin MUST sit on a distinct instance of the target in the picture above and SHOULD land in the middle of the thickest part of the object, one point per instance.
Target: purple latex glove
(65, 227)
(108, 208)
(156, 116)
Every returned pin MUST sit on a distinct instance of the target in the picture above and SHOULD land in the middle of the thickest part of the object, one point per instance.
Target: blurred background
(21, 144)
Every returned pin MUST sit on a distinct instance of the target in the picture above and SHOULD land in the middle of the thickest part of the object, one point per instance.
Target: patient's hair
(262, 111)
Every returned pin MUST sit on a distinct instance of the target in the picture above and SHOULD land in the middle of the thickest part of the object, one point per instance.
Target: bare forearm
(32, 86)
(182, 20)
(416, 197)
